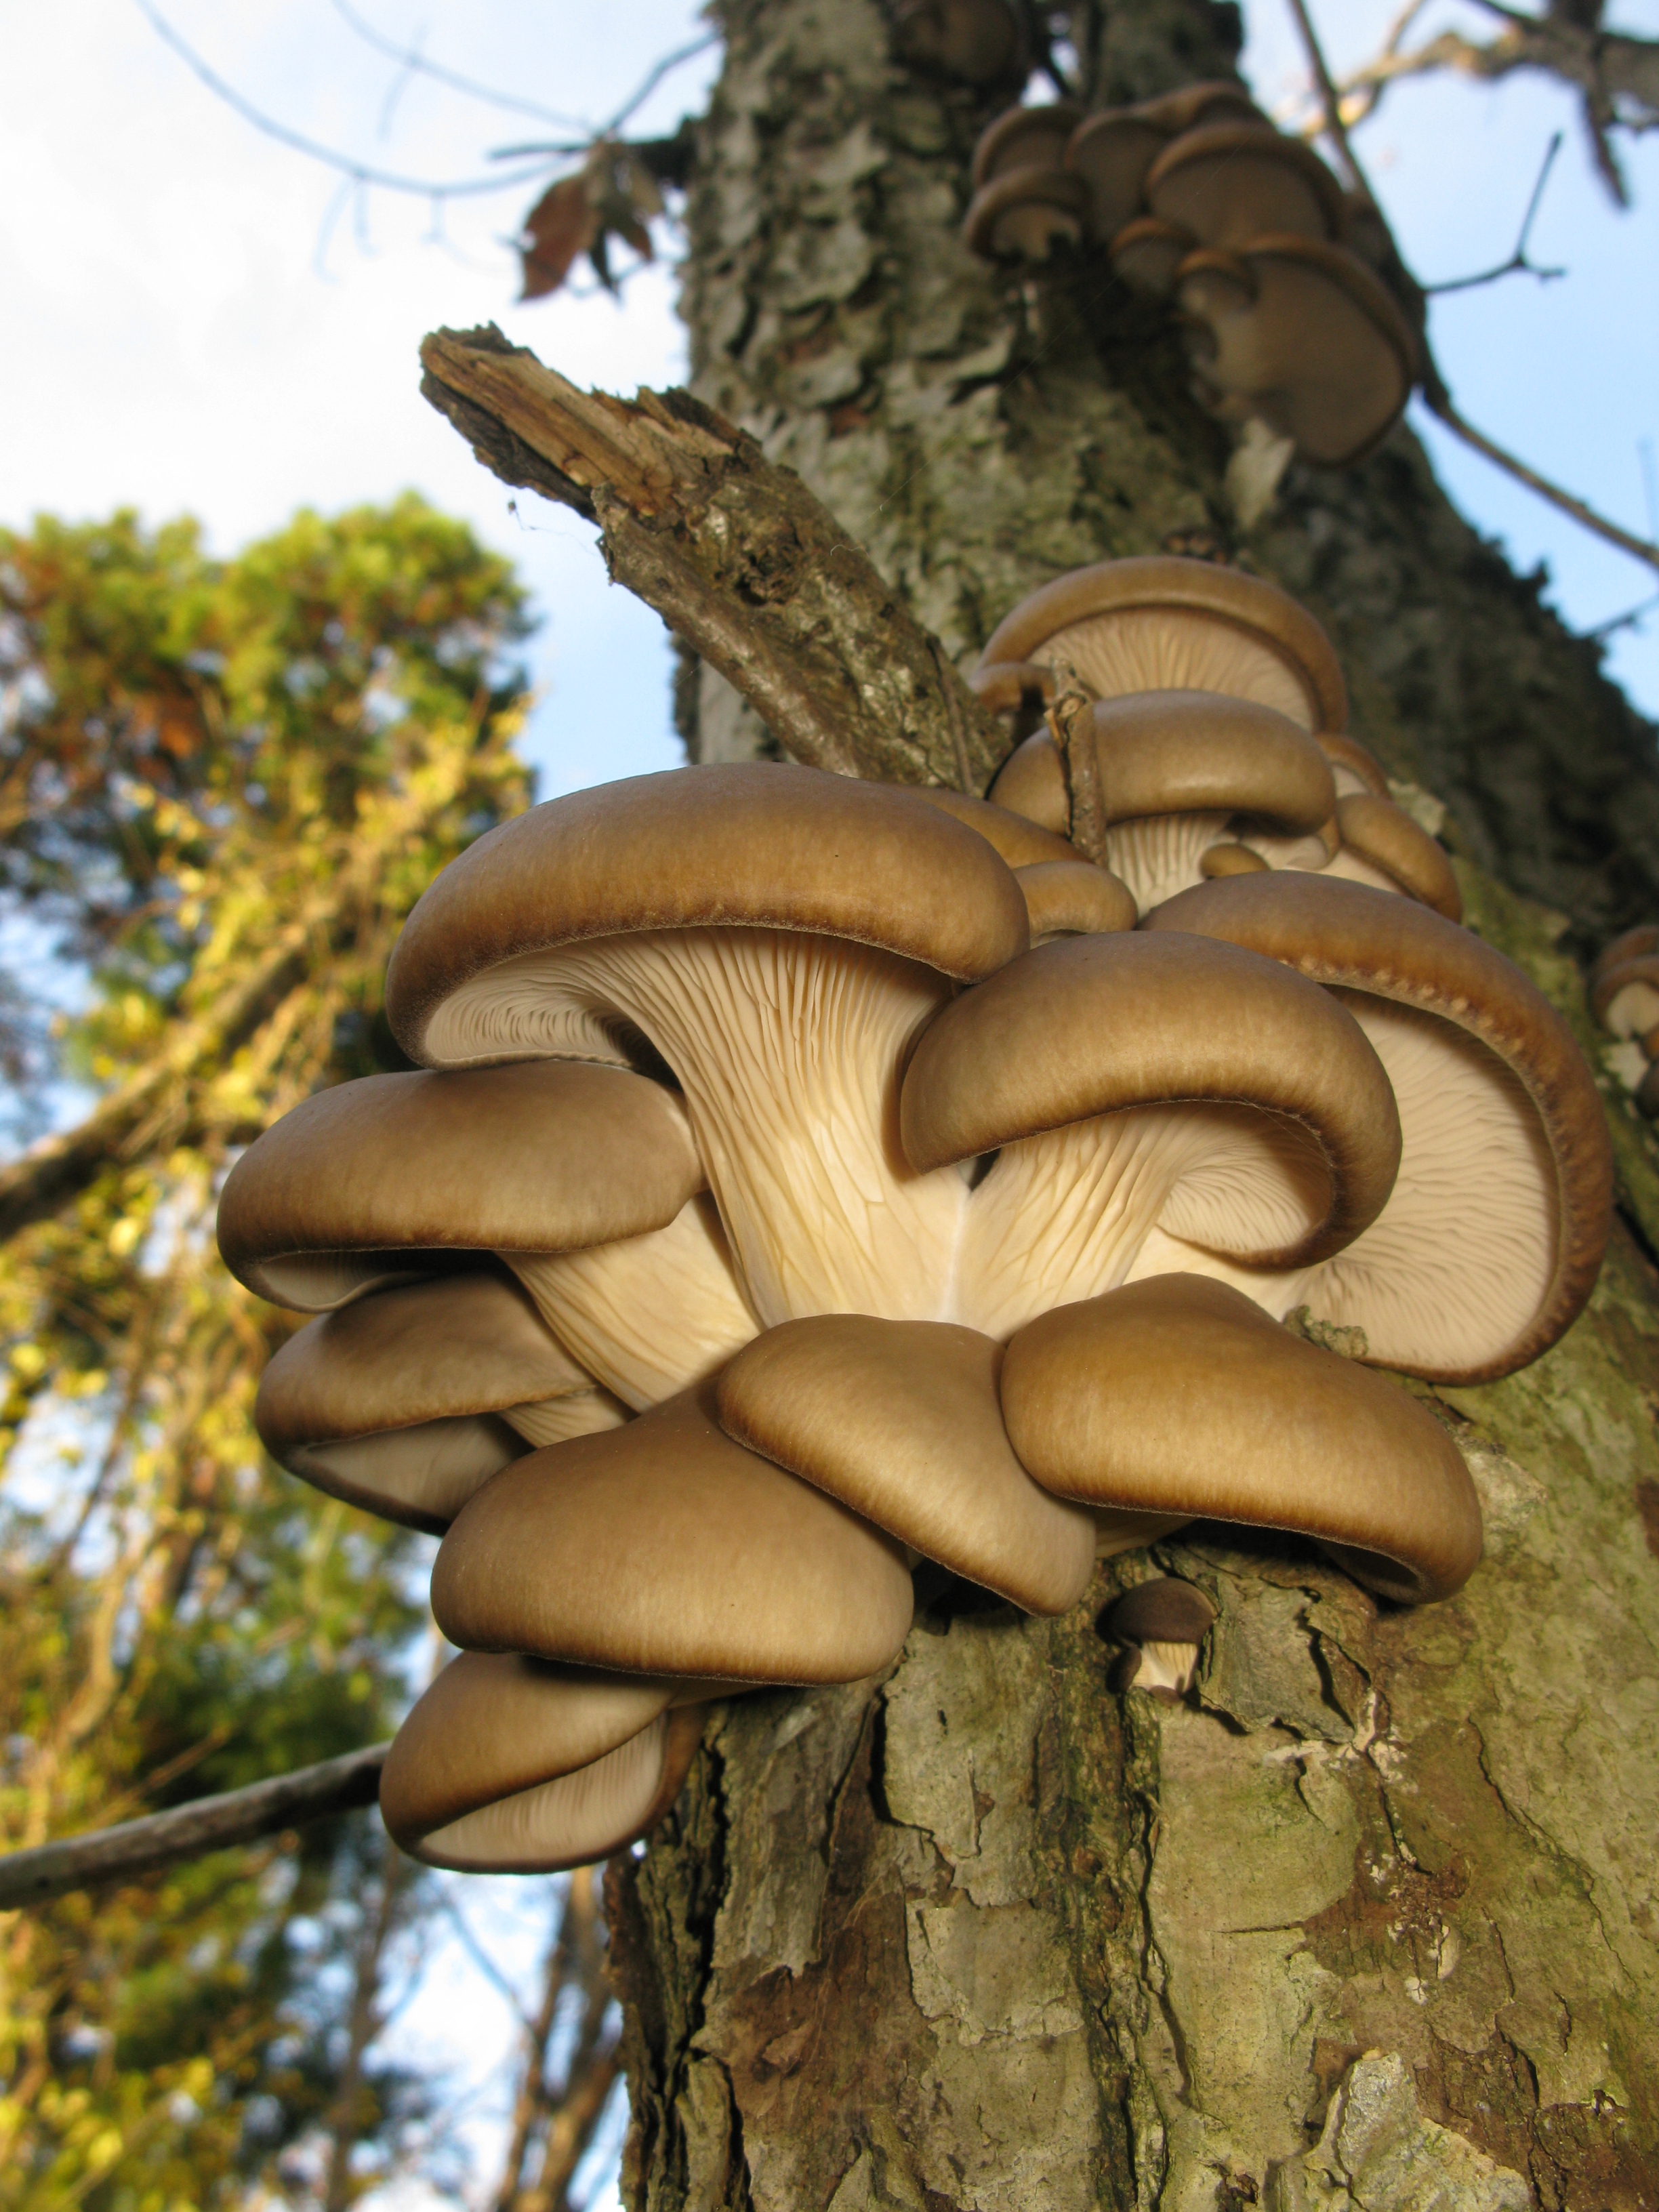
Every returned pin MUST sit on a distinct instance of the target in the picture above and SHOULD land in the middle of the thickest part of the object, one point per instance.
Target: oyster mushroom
(1301, 333)
(1064, 893)
(1147, 254)
(1180, 1395)
(1229, 184)
(1161, 1626)
(1026, 200)
(512, 1765)
(1129, 1081)
(1113, 150)
(1393, 854)
(778, 937)
(1493, 1233)
(979, 41)
(665, 1549)
(406, 1400)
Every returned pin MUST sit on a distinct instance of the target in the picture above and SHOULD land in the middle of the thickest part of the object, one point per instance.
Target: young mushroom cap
(1625, 994)
(1161, 1624)
(513, 1766)
(1229, 184)
(1147, 253)
(1161, 621)
(372, 1181)
(1230, 860)
(1631, 945)
(1031, 782)
(1354, 767)
(1013, 836)
(1303, 334)
(664, 1548)
(1385, 835)
(1179, 1395)
(1092, 1026)
(775, 936)
(1025, 137)
(1074, 898)
(390, 1401)
(1025, 211)
(1492, 1238)
(1112, 151)
(900, 1421)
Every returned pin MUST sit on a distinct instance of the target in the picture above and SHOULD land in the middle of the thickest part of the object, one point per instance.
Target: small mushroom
(1179, 1395)
(977, 41)
(1161, 622)
(389, 1176)
(665, 1549)
(1354, 767)
(1230, 183)
(1632, 945)
(1111, 151)
(900, 1420)
(1300, 332)
(1385, 838)
(1494, 1230)
(1161, 1626)
(406, 1401)
(1147, 254)
(1025, 139)
(1065, 894)
(512, 1765)
(1625, 996)
(1230, 860)
(1031, 782)
(1024, 213)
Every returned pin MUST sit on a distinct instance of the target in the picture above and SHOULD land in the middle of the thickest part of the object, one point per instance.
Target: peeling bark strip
(737, 556)
(210, 1823)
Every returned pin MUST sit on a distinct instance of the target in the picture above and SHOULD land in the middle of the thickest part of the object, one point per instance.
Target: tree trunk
(1371, 1922)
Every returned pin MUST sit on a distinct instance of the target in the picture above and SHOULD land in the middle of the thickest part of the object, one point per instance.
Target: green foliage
(224, 783)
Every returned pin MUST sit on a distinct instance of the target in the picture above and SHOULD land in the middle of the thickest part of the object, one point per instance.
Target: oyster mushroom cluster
(804, 1178)
(1195, 197)
(1625, 999)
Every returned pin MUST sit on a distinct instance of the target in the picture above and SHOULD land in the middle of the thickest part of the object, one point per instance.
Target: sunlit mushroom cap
(1094, 1025)
(1301, 333)
(1385, 835)
(900, 1420)
(1074, 898)
(395, 1402)
(1230, 183)
(1162, 622)
(1493, 1235)
(1178, 1394)
(1013, 836)
(1031, 782)
(1177, 752)
(368, 1181)
(512, 1765)
(1354, 766)
(747, 845)
(664, 1548)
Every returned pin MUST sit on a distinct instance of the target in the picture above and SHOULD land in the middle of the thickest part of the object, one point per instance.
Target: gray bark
(1372, 1923)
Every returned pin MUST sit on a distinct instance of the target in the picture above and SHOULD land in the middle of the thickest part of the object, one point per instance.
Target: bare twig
(1517, 263)
(416, 63)
(1436, 393)
(635, 100)
(362, 172)
(209, 1824)
(740, 560)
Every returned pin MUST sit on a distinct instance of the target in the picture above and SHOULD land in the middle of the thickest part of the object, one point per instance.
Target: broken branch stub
(737, 556)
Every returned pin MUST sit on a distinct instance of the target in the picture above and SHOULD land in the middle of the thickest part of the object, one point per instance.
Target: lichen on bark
(1370, 1921)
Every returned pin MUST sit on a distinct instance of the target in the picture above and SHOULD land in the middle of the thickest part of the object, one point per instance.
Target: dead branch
(741, 560)
(208, 1824)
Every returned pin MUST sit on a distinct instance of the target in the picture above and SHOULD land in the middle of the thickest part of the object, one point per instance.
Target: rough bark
(1371, 1922)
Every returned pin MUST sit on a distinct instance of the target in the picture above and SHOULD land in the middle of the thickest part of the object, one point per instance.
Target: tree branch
(741, 560)
(210, 1823)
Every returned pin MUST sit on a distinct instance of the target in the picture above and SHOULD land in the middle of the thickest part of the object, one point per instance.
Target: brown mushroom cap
(1212, 99)
(1165, 1610)
(1013, 835)
(745, 845)
(1178, 1394)
(1231, 860)
(1009, 685)
(980, 41)
(1493, 1237)
(1091, 1026)
(664, 1548)
(1303, 334)
(1230, 184)
(1174, 752)
(389, 1401)
(1147, 251)
(1074, 898)
(1162, 622)
(1025, 137)
(374, 1180)
(1625, 996)
(900, 1421)
(1631, 945)
(1032, 782)
(1112, 150)
(1025, 211)
(1354, 766)
(1385, 835)
(514, 1765)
